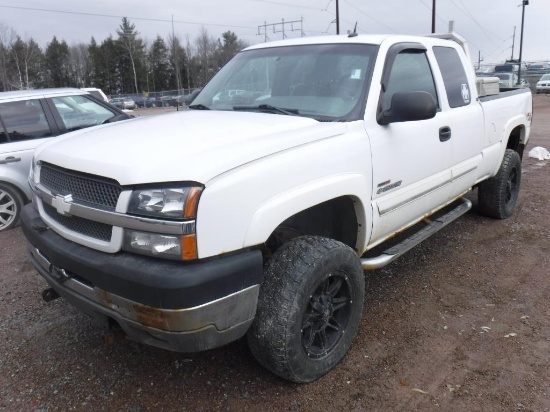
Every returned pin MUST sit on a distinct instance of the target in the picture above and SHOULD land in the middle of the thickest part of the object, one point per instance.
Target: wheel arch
(332, 211)
(13, 184)
(516, 139)
(516, 136)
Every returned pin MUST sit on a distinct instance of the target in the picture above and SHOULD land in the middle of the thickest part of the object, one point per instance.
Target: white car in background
(543, 85)
(29, 118)
(510, 80)
(227, 96)
(97, 93)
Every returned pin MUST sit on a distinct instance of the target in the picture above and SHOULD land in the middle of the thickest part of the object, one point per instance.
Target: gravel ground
(460, 323)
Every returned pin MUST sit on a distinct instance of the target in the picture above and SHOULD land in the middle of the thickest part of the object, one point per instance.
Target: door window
(410, 72)
(78, 112)
(23, 120)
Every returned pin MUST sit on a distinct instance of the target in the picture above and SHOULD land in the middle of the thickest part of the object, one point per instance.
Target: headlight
(153, 244)
(171, 203)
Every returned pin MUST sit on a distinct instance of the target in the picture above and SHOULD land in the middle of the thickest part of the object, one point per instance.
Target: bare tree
(190, 53)
(206, 49)
(7, 38)
(23, 53)
(79, 62)
(174, 45)
(127, 36)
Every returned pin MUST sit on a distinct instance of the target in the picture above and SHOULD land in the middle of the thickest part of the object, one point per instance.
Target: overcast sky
(488, 25)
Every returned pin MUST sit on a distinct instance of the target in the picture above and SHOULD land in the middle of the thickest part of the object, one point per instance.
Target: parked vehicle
(140, 101)
(188, 99)
(510, 66)
(510, 80)
(98, 93)
(29, 118)
(543, 85)
(259, 218)
(227, 96)
(123, 103)
(170, 100)
(539, 68)
(174, 101)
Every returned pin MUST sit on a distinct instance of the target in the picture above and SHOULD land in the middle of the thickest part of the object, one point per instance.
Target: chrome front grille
(88, 190)
(96, 230)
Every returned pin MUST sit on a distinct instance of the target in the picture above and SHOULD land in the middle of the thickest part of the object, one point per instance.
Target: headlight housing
(168, 203)
(164, 203)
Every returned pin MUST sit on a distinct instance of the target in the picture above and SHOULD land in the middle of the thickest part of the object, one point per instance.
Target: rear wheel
(497, 197)
(11, 203)
(309, 309)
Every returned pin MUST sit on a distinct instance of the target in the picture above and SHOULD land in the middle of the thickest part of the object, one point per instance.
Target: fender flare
(515, 122)
(285, 205)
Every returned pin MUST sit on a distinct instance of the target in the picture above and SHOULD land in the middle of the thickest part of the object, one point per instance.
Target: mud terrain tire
(309, 309)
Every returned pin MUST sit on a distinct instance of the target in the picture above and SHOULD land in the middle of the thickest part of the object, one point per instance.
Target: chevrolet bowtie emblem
(63, 204)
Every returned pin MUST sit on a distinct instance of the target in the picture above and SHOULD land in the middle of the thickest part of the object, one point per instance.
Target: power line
(369, 16)
(119, 17)
(467, 13)
(437, 15)
(288, 5)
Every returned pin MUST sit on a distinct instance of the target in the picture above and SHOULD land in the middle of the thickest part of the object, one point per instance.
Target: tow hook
(49, 294)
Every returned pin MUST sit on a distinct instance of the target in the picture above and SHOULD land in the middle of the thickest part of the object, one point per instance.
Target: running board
(432, 227)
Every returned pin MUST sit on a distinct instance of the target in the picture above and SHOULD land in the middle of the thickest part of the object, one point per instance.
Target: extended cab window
(454, 76)
(410, 72)
(78, 112)
(23, 120)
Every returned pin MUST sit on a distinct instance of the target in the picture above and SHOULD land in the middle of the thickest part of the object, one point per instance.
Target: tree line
(121, 64)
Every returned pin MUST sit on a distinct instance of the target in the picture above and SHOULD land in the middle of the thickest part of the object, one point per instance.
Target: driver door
(410, 159)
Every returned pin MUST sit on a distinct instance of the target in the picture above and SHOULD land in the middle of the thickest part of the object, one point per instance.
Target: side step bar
(389, 255)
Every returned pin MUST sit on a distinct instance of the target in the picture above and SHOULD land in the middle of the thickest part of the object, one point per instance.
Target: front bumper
(185, 307)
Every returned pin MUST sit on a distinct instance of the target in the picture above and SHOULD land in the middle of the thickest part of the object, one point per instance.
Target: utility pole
(479, 60)
(178, 79)
(433, 16)
(280, 28)
(513, 43)
(338, 18)
(523, 4)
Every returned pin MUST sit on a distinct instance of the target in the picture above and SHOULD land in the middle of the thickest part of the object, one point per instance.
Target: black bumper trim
(155, 282)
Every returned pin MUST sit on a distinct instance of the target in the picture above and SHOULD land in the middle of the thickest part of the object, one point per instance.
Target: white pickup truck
(258, 213)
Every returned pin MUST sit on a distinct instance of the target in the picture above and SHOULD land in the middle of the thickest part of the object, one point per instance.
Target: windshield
(545, 77)
(325, 82)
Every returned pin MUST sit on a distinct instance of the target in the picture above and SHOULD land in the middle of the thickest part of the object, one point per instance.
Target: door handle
(10, 159)
(444, 133)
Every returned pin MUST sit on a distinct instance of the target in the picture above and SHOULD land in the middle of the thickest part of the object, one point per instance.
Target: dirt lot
(461, 323)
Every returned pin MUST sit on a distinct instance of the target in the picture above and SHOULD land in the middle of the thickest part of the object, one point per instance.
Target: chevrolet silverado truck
(257, 214)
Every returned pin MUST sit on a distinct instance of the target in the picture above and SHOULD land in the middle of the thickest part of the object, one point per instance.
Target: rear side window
(454, 76)
(410, 72)
(23, 120)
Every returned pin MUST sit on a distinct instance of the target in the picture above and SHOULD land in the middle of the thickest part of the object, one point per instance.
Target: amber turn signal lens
(191, 203)
(189, 247)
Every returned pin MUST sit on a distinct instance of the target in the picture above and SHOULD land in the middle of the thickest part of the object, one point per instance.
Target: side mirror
(407, 107)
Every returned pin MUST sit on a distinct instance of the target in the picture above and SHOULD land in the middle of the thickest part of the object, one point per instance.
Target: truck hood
(189, 145)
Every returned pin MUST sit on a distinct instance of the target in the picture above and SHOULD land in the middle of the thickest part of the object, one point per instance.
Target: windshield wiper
(199, 106)
(288, 112)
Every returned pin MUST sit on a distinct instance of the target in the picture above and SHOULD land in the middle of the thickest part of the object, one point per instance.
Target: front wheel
(497, 196)
(11, 203)
(309, 309)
